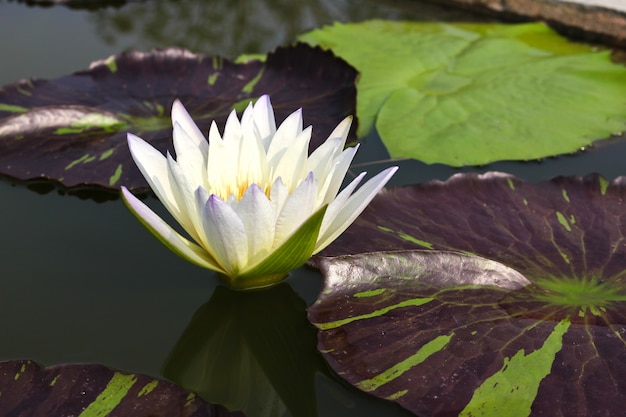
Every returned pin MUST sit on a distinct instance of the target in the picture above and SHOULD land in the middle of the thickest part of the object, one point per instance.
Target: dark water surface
(83, 282)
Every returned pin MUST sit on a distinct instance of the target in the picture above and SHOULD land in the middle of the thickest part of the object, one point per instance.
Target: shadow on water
(255, 351)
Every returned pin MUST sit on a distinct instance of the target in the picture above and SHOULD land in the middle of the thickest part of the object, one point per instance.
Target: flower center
(238, 189)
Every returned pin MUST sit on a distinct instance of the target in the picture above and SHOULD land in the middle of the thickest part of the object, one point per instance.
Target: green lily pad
(416, 331)
(452, 334)
(27, 389)
(73, 129)
(471, 94)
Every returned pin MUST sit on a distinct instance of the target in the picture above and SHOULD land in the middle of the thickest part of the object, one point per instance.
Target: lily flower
(253, 201)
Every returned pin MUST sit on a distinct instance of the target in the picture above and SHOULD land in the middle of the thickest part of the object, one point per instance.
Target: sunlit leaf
(73, 129)
(471, 94)
(432, 337)
(26, 389)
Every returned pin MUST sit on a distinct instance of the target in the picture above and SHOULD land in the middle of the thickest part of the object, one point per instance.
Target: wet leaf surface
(27, 389)
(419, 328)
(446, 333)
(73, 129)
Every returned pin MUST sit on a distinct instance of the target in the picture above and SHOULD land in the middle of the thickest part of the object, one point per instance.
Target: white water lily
(253, 201)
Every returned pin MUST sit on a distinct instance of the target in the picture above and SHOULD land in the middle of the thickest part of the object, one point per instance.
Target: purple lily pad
(569, 226)
(419, 328)
(73, 129)
(27, 389)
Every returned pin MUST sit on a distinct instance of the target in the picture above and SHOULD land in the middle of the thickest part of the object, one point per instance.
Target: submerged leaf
(471, 94)
(73, 129)
(94, 390)
(441, 342)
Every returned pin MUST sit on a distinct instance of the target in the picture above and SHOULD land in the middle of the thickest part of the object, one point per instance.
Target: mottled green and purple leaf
(419, 328)
(73, 129)
(27, 389)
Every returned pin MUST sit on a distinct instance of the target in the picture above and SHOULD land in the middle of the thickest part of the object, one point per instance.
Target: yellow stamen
(238, 190)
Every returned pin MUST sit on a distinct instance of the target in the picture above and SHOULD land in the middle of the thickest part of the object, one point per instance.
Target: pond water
(83, 282)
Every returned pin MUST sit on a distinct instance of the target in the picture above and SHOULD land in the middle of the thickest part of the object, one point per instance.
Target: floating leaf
(406, 328)
(73, 129)
(26, 389)
(569, 226)
(471, 94)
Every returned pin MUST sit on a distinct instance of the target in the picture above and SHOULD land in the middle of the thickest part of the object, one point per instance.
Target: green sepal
(291, 254)
(204, 260)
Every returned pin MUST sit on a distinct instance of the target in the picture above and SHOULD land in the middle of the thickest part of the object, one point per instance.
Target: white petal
(214, 133)
(166, 234)
(285, 134)
(201, 198)
(153, 166)
(223, 165)
(291, 163)
(189, 155)
(264, 117)
(182, 117)
(189, 217)
(278, 195)
(247, 118)
(226, 234)
(299, 206)
(255, 210)
(232, 129)
(341, 212)
(321, 159)
(232, 201)
(341, 131)
(337, 173)
(252, 162)
(339, 202)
